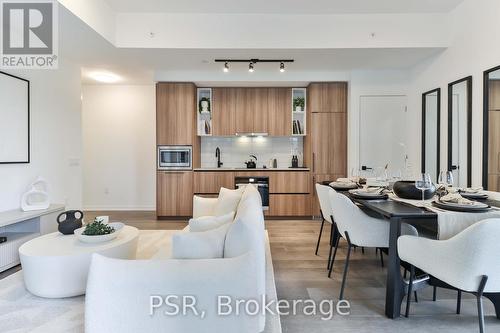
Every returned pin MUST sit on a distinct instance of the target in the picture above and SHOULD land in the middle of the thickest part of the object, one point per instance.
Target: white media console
(19, 227)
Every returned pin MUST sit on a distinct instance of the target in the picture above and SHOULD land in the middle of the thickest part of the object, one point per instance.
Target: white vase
(204, 106)
(298, 108)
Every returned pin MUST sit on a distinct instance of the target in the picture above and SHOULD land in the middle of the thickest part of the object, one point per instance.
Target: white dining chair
(360, 229)
(326, 215)
(467, 262)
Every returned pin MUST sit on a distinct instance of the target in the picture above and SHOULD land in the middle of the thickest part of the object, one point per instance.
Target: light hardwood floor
(302, 275)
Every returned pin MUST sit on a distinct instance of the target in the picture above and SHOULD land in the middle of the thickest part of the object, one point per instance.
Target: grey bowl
(406, 189)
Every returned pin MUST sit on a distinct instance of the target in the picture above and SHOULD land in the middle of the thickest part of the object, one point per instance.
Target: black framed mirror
(491, 129)
(431, 132)
(14, 119)
(460, 131)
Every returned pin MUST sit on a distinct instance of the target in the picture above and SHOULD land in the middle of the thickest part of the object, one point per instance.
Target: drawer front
(289, 182)
(211, 182)
(289, 205)
(174, 194)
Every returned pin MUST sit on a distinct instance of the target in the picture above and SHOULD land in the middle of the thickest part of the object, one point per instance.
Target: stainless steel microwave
(175, 157)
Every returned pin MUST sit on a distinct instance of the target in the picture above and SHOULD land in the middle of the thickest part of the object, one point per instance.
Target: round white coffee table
(57, 265)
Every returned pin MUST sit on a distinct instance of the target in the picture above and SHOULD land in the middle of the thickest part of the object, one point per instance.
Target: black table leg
(394, 289)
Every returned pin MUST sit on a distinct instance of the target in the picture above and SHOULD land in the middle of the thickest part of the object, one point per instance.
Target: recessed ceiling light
(250, 67)
(105, 77)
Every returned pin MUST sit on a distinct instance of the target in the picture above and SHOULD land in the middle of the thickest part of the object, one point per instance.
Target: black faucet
(217, 154)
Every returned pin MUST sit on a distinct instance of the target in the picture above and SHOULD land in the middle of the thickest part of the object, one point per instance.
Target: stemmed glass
(423, 183)
(445, 178)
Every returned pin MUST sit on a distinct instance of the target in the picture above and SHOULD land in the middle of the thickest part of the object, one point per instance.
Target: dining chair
(467, 262)
(326, 215)
(360, 229)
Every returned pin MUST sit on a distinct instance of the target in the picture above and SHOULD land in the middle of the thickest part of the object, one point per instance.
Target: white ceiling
(284, 6)
(82, 45)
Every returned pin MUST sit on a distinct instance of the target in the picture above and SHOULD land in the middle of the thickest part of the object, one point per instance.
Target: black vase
(406, 189)
(70, 222)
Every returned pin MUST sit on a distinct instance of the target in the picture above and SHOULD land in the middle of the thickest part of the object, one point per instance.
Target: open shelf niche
(299, 111)
(204, 111)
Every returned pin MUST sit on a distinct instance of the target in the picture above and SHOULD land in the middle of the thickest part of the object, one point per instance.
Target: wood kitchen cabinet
(289, 182)
(494, 95)
(315, 209)
(329, 143)
(224, 109)
(327, 97)
(174, 193)
(210, 182)
(175, 113)
(289, 205)
(251, 110)
(279, 112)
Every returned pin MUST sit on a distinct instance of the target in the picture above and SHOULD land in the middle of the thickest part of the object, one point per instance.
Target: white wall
(474, 49)
(55, 139)
(119, 147)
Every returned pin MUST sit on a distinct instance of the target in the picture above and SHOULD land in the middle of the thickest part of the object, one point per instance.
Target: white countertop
(246, 169)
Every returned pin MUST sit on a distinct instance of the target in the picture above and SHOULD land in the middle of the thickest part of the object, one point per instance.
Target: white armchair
(467, 262)
(360, 229)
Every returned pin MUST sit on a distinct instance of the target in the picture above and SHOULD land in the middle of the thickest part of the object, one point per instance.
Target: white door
(383, 131)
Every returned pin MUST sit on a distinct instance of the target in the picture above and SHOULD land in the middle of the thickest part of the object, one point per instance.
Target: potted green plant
(298, 103)
(204, 105)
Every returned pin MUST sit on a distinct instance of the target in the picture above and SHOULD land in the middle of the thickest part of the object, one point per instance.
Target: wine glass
(423, 183)
(445, 178)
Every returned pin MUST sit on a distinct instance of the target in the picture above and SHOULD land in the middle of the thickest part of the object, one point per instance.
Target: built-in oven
(262, 184)
(175, 157)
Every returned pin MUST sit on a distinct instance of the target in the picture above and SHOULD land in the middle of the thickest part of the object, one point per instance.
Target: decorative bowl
(100, 238)
(406, 189)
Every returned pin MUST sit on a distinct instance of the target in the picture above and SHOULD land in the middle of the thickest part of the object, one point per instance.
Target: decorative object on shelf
(70, 222)
(37, 196)
(204, 106)
(295, 161)
(406, 189)
(298, 104)
(98, 231)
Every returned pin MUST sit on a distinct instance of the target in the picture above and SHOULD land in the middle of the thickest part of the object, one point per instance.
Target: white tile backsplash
(236, 150)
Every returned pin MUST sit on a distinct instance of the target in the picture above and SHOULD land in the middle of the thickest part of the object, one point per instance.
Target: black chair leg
(336, 245)
(459, 301)
(480, 310)
(404, 274)
(346, 267)
(416, 296)
(410, 287)
(381, 258)
(434, 293)
(331, 246)
(363, 249)
(319, 237)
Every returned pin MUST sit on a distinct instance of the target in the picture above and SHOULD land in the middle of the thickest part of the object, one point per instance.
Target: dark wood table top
(394, 209)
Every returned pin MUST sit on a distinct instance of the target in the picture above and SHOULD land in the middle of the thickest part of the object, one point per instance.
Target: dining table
(397, 213)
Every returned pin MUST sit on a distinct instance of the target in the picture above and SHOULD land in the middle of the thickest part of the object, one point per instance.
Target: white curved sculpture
(37, 196)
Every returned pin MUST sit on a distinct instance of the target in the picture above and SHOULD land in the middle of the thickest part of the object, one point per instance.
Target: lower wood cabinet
(289, 205)
(289, 182)
(206, 182)
(174, 193)
(494, 182)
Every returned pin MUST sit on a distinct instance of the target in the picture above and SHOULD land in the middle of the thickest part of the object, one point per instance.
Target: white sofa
(119, 291)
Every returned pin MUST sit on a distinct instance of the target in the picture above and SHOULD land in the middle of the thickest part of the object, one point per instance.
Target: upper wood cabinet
(329, 143)
(279, 112)
(175, 113)
(223, 109)
(327, 97)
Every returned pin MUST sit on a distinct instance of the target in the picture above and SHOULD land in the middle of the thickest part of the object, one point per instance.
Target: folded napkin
(456, 198)
(472, 190)
(344, 180)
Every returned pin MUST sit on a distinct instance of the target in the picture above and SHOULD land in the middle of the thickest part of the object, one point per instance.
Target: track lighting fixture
(252, 62)
(282, 67)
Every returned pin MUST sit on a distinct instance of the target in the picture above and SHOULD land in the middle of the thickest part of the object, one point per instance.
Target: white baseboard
(119, 208)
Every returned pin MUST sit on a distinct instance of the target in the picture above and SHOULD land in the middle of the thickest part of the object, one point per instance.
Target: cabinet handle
(314, 162)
